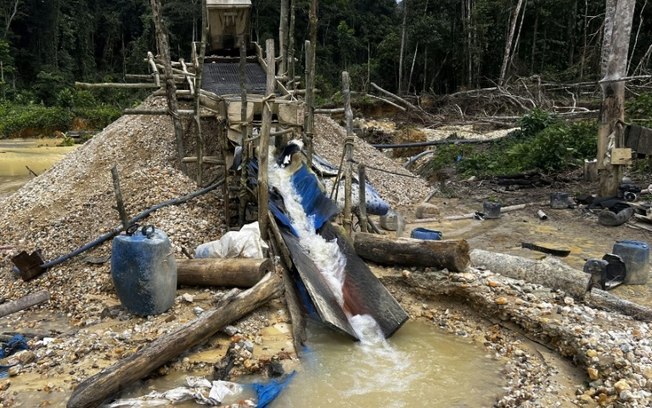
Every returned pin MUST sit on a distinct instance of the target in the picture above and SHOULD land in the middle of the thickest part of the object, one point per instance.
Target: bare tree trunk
(401, 52)
(508, 43)
(534, 40)
(466, 9)
(292, 44)
(414, 60)
(518, 36)
(10, 18)
(170, 87)
(638, 32)
(614, 65)
(283, 37)
(585, 37)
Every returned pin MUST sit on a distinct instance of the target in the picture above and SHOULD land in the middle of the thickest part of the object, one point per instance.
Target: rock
(622, 385)
(593, 373)
(426, 210)
(187, 297)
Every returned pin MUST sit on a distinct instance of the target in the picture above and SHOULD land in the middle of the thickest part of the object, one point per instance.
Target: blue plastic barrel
(144, 271)
(424, 233)
(636, 255)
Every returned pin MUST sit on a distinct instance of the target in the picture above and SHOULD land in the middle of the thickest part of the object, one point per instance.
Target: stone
(622, 385)
(593, 373)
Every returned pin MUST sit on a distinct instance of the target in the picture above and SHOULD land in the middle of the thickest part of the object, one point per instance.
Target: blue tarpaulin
(267, 392)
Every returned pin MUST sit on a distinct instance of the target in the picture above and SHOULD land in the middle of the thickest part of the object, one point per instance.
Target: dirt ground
(84, 329)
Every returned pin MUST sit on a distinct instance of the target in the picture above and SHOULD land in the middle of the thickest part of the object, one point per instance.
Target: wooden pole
(263, 146)
(118, 197)
(199, 69)
(283, 37)
(244, 132)
(450, 254)
(94, 390)
(291, 45)
(226, 272)
(170, 87)
(130, 85)
(348, 151)
(309, 113)
(362, 179)
(24, 302)
(154, 68)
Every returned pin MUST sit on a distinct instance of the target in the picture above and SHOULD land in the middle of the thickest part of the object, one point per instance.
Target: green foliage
(557, 146)
(15, 118)
(445, 156)
(640, 108)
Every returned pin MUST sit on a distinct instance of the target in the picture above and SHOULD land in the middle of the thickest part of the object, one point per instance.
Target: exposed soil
(83, 328)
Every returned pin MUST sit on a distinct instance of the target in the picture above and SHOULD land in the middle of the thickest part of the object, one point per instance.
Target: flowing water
(418, 367)
(18, 154)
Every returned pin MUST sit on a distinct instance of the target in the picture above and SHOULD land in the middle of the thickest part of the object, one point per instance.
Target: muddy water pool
(37, 154)
(419, 366)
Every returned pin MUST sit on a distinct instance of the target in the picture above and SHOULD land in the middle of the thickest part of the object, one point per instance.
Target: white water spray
(325, 254)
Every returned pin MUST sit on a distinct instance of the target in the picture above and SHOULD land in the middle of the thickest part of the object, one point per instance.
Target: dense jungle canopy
(448, 44)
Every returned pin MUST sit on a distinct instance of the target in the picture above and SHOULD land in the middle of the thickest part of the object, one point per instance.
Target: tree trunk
(198, 74)
(170, 87)
(226, 272)
(402, 50)
(94, 390)
(414, 60)
(449, 254)
(550, 272)
(618, 27)
(508, 43)
(283, 37)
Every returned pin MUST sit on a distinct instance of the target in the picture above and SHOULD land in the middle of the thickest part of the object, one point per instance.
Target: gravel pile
(395, 184)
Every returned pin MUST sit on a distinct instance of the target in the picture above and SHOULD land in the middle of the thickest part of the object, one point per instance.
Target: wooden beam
(88, 85)
(348, 152)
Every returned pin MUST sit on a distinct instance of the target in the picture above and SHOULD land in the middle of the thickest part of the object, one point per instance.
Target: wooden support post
(362, 180)
(225, 272)
(199, 69)
(310, 104)
(244, 132)
(94, 390)
(187, 77)
(348, 151)
(283, 37)
(24, 302)
(170, 87)
(263, 144)
(118, 197)
(291, 45)
(154, 68)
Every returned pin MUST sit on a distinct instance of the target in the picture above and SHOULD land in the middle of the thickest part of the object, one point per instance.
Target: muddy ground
(529, 329)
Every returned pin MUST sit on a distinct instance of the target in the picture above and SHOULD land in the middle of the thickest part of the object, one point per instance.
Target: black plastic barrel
(144, 271)
(636, 255)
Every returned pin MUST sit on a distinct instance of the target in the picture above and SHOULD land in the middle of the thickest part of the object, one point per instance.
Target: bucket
(491, 210)
(636, 255)
(144, 271)
(425, 233)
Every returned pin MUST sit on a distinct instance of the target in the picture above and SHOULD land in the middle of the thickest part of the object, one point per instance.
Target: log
(239, 272)
(548, 272)
(96, 389)
(555, 274)
(24, 302)
(130, 85)
(449, 254)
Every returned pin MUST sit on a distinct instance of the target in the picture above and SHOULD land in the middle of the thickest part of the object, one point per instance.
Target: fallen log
(24, 302)
(449, 254)
(238, 272)
(548, 272)
(555, 274)
(96, 389)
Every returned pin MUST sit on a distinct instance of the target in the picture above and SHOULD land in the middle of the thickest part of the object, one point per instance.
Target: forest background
(447, 46)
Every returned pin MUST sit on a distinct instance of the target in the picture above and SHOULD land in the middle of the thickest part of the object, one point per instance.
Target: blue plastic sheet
(269, 391)
(16, 343)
